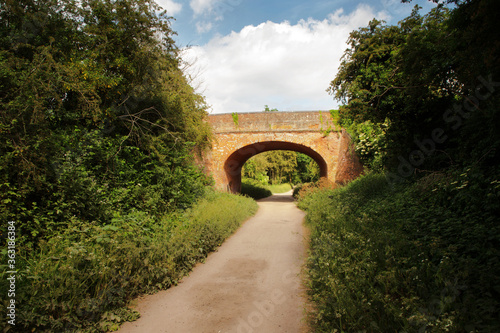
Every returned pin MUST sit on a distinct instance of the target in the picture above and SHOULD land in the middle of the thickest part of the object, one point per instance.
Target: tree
(96, 113)
(396, 78)
(280, 166)
(307, 170)
(418, 78)
(276, 166)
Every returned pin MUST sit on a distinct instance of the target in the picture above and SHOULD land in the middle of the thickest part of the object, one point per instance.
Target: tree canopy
(280, 166)
(96, 112)
(424, 88)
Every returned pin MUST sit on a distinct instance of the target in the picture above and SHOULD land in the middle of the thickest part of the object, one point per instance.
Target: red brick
(240, 137)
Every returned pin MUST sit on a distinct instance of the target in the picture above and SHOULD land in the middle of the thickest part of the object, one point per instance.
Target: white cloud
(203, 27)
(202, 6)
(172, 7)
(213, 8)
(285, 66)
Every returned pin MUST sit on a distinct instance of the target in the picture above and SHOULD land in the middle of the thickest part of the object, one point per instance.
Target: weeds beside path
(83, 278)
(252, 283)
(419, 257)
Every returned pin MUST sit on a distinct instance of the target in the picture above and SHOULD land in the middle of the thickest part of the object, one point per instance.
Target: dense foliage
(254, 189)
(96, 115)
(257, 190)
(422, 96)
(83, 278)
(99, 132)
(406, 259)
(416, 249)
(280, 167)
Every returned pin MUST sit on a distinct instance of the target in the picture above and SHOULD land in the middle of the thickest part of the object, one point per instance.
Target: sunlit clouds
(283, 65)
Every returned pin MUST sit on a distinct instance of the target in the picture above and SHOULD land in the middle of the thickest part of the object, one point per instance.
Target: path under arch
(253, 283)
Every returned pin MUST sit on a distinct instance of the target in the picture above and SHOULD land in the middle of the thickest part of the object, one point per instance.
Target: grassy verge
(281, 188)
(82, 279)
(419, 258)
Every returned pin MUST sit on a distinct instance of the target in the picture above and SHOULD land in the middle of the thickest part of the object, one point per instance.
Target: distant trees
(267, 109)
(280, 166)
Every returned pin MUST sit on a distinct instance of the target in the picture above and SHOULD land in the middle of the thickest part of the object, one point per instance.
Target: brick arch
(237, 137)
(235, 161)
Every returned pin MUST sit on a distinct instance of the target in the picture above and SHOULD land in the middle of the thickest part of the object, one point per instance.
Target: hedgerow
(82, 278)
(418, 257)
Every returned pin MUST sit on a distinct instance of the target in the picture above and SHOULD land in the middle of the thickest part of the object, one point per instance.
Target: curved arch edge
(235, 161)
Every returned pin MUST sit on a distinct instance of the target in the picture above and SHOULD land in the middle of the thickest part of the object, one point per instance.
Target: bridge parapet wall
(271, 121)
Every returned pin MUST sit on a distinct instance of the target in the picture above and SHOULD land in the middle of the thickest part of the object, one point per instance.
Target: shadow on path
(280, 197)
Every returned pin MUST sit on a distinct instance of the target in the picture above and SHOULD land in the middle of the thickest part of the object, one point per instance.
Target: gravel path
(251, 284)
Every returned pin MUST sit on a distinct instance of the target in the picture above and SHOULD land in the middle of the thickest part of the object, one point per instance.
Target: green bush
(419, 257)
(83, 278)
(302, 192)
(89, 127)
(296, 190)
(254, 189)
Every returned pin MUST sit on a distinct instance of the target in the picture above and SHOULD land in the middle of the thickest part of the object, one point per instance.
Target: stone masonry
(241, 136)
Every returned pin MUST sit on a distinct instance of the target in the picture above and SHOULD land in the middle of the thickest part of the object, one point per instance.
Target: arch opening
(235, 162)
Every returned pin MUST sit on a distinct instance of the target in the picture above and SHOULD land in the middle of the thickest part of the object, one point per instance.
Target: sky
(245, 54)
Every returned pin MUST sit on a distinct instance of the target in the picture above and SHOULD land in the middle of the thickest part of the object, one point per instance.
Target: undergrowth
(83, 278)
(302, 191)
(421, 257)
(254, 189)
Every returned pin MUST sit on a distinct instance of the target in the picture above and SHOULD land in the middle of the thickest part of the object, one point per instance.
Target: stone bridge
(241, 136)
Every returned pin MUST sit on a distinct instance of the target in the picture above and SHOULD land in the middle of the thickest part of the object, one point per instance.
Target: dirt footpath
(251, 284)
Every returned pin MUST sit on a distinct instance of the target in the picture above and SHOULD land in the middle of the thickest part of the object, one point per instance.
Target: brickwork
(237, 138)
(271, 121)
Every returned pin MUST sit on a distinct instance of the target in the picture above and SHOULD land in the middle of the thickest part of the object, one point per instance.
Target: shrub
(419, 257)
(254, 189)
(83, 278)
(296, 190)
(304, 190)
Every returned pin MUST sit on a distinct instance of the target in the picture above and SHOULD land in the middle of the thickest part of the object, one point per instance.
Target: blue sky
(244, 54)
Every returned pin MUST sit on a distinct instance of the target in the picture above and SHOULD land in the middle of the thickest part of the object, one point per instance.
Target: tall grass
(418, 258)
(279, 188)
(82, 279)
